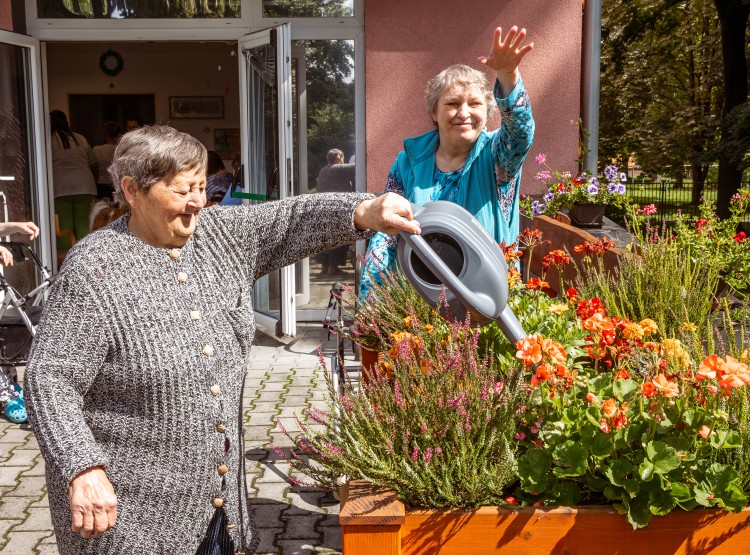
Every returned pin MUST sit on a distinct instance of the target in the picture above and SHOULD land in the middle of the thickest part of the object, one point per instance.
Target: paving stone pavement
(283, 378)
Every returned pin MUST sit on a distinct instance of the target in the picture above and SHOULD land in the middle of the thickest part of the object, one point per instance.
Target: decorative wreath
(105, 64)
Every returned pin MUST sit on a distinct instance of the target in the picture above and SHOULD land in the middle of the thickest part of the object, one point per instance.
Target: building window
(130, 9)
(308, 8)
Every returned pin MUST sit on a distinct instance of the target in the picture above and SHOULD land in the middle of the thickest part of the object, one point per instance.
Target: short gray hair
(334, 155)
(154, 153)
(459, 76)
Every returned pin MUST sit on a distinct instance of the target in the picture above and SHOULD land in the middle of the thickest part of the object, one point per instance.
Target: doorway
(88, 112)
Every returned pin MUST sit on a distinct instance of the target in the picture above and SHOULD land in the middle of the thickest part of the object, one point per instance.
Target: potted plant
(592, 415)
(584, 196)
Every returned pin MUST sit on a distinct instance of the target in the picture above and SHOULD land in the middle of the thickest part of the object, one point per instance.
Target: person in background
(11, 392)
(218, 179)
(334, 177)
(74, 176)
(135, 379)
(133, 122)
(460, 161)
(104, 153)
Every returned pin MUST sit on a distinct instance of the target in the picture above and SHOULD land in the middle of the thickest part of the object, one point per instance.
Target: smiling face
(460, 115)
(165, 215)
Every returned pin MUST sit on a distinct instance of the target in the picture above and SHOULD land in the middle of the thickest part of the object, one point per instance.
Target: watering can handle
(441, 271)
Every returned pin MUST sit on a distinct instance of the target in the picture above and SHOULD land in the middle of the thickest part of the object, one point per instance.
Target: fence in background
(671, 200)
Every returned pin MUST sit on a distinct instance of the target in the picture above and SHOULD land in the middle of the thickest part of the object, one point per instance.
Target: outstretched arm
(27, 228)
(505, 55)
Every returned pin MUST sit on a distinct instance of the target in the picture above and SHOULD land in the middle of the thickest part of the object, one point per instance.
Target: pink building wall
(6, 15)
(409, 41)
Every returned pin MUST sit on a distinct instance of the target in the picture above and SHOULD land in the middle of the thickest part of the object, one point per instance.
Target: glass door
(266, 130)
(24, 189)
(323, 72)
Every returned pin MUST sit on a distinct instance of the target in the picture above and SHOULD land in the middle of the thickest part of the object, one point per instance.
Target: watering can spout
(455, 261)
(510, 326)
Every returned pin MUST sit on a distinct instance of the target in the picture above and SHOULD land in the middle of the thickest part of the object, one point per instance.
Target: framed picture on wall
(196, 107)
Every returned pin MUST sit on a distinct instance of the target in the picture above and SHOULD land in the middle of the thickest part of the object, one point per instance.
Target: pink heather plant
(436, 425)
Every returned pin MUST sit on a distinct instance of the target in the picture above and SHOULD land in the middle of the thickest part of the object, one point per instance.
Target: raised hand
(506, 53)
(6, 257)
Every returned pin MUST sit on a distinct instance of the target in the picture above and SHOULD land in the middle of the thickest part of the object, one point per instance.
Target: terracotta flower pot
(374, 522)
(587, 215)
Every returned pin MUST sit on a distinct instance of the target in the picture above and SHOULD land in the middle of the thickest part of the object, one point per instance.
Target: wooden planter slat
(530, 531)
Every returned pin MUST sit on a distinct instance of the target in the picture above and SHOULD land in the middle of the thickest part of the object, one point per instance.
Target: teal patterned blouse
(504, 150)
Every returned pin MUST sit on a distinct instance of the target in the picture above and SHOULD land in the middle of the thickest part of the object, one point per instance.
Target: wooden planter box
(374, 522)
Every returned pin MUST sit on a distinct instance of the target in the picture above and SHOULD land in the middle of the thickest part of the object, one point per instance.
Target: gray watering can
(455, 252)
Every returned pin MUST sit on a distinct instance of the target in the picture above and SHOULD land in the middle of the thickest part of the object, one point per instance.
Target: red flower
(740, 237)
(536, 283)
(556, 257)
(648, 389)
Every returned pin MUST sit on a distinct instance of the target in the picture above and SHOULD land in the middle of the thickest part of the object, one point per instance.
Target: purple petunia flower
(537, 208)
(621, 188)
(610, 172)
(623, 177)
(548, 196)
(592, 189)
(594, 181)
(612, 188)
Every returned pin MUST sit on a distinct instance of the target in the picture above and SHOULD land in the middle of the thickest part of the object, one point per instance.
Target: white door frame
(41, 185)
(285, 142)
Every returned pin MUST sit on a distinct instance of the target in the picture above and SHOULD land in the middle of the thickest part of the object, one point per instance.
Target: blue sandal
(19, 390)
(15, 411)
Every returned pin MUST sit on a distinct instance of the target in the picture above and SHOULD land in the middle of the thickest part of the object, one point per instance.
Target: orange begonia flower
(597, 323)
(708, 368)
(666, 387)
(609, 408)
(529, 350)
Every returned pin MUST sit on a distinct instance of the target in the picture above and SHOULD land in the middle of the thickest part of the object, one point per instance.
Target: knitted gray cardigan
(138, 365)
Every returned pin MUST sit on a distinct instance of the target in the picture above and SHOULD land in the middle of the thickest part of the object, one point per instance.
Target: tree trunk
(698, 172)
(733, 16)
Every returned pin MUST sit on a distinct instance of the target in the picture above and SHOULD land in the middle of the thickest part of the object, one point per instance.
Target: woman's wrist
(507, 80)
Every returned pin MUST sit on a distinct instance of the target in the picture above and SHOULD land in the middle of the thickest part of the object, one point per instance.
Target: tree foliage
(330, 100)
(663, 90)
(661, 86)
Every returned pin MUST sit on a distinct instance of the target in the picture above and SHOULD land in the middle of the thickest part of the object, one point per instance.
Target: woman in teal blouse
(460, 161)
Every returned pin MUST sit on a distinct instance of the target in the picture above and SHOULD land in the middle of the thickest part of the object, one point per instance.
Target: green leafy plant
(591, 407)
(664, 279)
(638, 425)
(719, 240)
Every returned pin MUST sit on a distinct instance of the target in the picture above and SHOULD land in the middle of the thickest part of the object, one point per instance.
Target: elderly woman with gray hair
(134, 383)
(460, 161)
